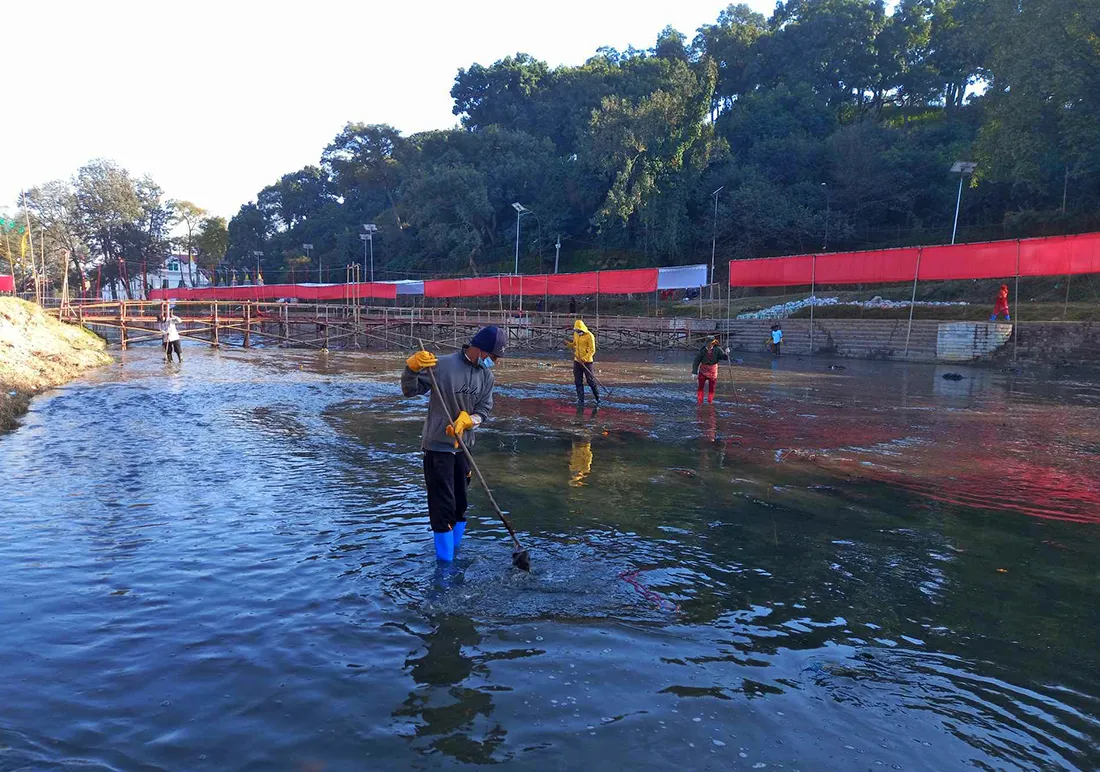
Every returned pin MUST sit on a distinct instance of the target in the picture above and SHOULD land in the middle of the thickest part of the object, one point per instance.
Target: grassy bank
(38, 352)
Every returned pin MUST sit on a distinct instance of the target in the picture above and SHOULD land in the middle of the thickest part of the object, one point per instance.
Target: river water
(226, 565)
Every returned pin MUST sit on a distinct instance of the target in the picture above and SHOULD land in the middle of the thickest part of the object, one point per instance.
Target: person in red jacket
(705, 367)
(1001, 306)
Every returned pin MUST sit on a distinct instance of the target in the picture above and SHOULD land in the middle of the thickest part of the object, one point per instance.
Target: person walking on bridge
(465, 380)
(705, 367)
(584, 369)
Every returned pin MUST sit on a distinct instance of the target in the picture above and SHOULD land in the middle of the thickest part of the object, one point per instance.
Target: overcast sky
(217, 99)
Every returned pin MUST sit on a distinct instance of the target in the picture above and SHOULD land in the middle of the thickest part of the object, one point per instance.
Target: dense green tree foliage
(830, 117)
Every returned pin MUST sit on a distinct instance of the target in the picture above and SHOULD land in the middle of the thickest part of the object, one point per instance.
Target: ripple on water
(229, 567)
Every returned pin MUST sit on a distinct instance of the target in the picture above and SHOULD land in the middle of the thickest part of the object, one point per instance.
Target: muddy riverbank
(38, 353)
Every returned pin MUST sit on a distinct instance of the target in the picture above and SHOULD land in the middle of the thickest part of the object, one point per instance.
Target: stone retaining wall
(929, 341)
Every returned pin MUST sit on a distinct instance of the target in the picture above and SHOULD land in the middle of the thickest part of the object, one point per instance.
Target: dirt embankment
(38, 352)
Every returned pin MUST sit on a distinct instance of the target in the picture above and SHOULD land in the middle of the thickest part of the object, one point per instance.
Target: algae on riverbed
(38, 352)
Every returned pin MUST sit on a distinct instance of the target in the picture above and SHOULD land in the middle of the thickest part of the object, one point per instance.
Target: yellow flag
(23, 244)
(259, 277)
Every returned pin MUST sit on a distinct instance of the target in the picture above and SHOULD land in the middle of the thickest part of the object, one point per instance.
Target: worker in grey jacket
(465, 380)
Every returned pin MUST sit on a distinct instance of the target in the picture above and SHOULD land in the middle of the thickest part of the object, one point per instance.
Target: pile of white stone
(783, 310)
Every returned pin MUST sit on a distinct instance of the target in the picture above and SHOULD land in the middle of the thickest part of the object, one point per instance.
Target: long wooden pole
(813, 298)
(1016, 302)
(30, 244)
(913, 300)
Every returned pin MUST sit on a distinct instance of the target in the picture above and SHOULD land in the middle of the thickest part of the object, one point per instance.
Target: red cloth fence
(1050, 256)
(591, 283)
(7, 284)
(364, 290)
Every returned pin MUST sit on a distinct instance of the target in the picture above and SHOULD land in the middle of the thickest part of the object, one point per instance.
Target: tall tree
(108, 209)
(211, 242)
(190, 216)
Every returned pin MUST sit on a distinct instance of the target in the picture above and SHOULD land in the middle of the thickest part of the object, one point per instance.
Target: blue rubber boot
(445, 546)
(459, 529)
(1008, 317)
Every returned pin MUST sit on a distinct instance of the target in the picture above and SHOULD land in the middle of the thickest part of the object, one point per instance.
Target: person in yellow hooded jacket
(584, 351)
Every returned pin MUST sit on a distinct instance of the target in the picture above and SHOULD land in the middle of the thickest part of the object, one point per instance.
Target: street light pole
(256, 253)
(825, 245)
(309, 256)
(520, 211)
(962, 168)
(714, 233)
(366, 238)
(557, 252)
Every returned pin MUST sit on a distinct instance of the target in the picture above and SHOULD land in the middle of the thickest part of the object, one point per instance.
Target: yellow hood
(579, 326)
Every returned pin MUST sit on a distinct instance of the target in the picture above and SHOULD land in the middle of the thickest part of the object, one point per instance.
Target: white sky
(217, 99)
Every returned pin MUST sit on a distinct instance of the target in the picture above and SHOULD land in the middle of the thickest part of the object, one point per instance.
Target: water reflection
(580, 462)
(449, 717)
(823, 571)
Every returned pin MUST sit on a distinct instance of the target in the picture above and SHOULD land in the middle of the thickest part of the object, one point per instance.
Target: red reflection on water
(1036, 460)
(558, 412)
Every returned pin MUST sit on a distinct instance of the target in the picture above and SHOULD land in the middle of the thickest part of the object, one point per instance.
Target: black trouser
(446, 476)
(775, 348)
(581, 373)
(169, 347)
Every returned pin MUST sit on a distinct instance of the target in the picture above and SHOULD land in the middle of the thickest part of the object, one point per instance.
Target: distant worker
(572, 306)
(465, 396)
(1001, 306)
(584, 351)
(705, 367)
(170, 335)
(777, 339)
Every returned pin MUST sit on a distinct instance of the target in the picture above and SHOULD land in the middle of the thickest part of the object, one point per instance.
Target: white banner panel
(682, 277)
(409, 287)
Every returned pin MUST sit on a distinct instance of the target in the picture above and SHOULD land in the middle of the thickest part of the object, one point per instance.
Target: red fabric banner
(888, 265)
(603, 282)
(7, 284)
(1060, 254)
(1050, 256)
(988, 260)
(626, 282)
(573, 283)
(364, 290)
(466, 288)
(771, 271)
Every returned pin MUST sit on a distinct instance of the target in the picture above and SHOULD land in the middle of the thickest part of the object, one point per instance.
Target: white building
(176, 271)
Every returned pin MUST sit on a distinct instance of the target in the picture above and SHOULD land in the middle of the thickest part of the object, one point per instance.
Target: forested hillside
(830, 124)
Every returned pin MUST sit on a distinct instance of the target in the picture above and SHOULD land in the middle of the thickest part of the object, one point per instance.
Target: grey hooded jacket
(463, 386)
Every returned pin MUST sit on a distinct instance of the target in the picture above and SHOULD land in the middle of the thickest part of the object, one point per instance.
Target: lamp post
(714, 234)
(557, 252)
(520, 211)
(962, 168)
(825, 244)
(309, 248)
(256, 253)
(368, 238)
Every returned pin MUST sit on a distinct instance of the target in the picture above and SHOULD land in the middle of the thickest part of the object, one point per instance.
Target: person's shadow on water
(440, 670)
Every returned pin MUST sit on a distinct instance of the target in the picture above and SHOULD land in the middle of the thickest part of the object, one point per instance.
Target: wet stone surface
(227, 566)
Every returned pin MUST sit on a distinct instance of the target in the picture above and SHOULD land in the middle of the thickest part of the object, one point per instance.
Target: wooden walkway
(338, 325)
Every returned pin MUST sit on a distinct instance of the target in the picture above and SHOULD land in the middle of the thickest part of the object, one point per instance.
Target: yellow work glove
(420, 360)
(461, 424)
